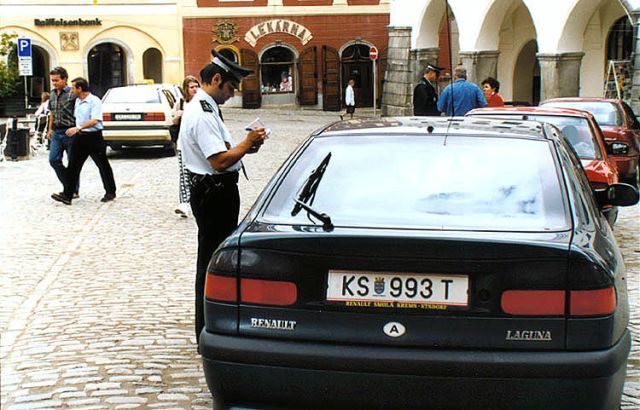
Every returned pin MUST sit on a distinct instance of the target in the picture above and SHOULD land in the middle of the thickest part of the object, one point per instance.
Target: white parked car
(139, 115)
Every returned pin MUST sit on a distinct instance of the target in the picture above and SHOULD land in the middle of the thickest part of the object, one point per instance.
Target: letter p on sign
(24, 47)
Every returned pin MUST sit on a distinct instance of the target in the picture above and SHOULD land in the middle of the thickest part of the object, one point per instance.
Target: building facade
(303, 52)
(537, 49)
(110, 43)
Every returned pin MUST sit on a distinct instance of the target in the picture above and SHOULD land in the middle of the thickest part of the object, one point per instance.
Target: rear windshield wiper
(308, 194)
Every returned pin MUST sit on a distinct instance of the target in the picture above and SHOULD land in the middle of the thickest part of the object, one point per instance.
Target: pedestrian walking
(425, 94)
(490, 88)
(350, 99)
(87, 142)
(460, 97)
(213, 162)
(61, 106)
(189, 87)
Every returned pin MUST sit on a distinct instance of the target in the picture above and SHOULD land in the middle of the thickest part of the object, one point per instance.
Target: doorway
(356, 64)
(107, 68)
(526, 76)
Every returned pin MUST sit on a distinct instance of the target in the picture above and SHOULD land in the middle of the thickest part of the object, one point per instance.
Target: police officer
(213, 163)
(425, 95)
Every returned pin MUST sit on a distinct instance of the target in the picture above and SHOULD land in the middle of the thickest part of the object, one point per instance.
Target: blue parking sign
(24, 47)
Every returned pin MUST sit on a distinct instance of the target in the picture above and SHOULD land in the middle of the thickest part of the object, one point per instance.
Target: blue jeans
(59, 143)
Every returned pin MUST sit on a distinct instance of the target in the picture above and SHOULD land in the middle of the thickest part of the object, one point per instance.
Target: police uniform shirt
(203, 134)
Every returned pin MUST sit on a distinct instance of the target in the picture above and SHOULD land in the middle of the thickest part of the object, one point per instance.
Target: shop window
(276, 71)
(152, 65)
(620, 41)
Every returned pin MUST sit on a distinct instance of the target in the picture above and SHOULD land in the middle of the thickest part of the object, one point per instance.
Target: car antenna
(448, 22)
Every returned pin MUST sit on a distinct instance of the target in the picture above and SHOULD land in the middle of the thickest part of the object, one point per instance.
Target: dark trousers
(89, 144)
(215, 203)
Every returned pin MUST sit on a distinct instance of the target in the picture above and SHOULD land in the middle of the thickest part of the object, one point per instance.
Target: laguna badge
(529, 335)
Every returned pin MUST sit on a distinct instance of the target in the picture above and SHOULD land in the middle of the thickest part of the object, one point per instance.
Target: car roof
(563, 112)
(435, 125)
(582, 99)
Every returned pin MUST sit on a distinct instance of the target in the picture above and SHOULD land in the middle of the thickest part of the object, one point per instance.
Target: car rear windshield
(605, 113)
(132, 95)
(463, 183)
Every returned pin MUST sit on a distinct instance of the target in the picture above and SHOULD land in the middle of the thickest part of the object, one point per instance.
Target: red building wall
(330, 30)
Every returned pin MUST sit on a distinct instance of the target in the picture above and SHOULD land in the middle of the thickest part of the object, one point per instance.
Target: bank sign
(66, 23)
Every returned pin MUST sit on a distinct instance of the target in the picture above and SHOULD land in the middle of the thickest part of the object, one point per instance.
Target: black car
(422, 263)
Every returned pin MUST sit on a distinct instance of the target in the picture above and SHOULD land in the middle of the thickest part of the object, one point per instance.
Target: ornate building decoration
(69, 41)
(225, 32)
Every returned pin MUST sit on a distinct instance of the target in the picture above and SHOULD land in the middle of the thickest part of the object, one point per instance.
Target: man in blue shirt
(87, 142)
(460, 97)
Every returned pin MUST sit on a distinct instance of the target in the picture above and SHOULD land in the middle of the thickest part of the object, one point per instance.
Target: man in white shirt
(350, 99)
(213, 163)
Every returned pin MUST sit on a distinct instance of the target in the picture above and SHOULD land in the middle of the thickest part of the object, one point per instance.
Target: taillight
(599, 302)
(154, 116)
(262, 292)
(106, 116)
(220, 288)
(533, 302)
(268, 292)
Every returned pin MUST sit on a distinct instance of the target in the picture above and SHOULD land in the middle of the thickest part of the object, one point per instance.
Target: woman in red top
(490, 88)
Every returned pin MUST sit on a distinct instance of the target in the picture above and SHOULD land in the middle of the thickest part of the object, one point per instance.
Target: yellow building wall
(135, 33)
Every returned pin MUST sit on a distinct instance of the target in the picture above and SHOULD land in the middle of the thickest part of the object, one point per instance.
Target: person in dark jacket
(425, 95)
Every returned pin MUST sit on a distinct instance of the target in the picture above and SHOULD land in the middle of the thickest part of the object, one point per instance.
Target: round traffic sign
(373, 53)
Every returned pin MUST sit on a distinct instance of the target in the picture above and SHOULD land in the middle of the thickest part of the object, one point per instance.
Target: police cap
(229, 66)
(434, 68)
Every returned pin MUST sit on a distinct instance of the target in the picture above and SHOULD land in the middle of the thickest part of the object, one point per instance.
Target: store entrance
(357, 65)
(107, 68)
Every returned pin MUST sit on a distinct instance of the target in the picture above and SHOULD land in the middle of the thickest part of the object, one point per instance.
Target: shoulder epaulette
(206, 106)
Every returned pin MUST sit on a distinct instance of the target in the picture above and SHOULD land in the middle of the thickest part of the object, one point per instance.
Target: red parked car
(581, 130)
(620, 127)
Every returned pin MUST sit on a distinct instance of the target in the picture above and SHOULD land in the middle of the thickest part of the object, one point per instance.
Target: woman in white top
(42, 114)
(189, 87)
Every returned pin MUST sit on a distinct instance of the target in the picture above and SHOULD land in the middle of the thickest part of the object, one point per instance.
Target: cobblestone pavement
(96, 305)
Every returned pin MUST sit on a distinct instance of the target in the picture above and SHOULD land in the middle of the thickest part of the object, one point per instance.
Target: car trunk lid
(475, 268)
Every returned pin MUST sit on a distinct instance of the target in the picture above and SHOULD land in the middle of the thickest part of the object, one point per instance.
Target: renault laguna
(422, 263)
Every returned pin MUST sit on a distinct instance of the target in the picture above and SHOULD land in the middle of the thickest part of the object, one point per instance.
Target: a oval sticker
(394, 329)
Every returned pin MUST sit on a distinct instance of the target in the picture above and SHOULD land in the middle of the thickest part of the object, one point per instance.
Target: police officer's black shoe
(108, 197)
(61, 198)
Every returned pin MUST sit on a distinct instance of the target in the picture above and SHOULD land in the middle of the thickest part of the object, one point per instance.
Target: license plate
(443, 289)
(127, 117)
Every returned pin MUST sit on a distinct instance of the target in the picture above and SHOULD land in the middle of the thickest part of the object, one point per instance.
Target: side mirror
(617, 195)
(617, 148)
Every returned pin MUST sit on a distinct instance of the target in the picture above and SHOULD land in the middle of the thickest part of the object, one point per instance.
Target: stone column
(422, 57)
(479, 64)
(635, 85)
(398, 85)
(559, 75)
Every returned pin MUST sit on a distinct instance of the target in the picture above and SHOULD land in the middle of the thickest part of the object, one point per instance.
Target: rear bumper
(138, 137)
(252, 370)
